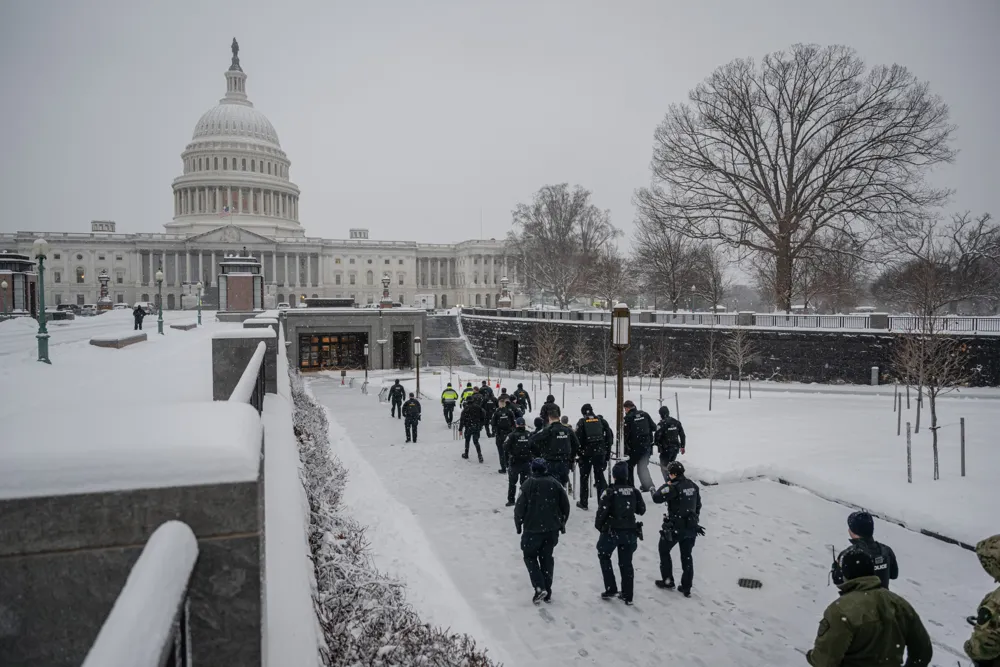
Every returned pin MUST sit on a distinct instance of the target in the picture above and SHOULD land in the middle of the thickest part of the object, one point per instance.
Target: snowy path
(756, 529)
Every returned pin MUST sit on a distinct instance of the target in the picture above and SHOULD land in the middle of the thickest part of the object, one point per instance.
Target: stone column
(309, 270)
(187, 266)
(229, 203)
(201, 268)
(177, 268)
(284, 278)
(298, 278)
(274, 267)
(212, 276)
(319, 269)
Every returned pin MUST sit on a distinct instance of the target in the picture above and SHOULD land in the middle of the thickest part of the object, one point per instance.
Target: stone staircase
(443, 339)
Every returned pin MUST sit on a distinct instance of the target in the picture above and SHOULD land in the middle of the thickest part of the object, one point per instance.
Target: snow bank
(146, 447)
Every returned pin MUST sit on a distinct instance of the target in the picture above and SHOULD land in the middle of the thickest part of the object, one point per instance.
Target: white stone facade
(235, 160)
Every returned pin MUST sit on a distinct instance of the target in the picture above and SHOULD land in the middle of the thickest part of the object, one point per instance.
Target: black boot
(660, 583)
(465, 455)
(581, 505)
(548, 595)
(539, 594)
(480, 458)
(685, 591)
(510, 503)
(610, 593)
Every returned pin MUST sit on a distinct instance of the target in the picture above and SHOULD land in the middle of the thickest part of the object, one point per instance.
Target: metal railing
(948, 323)
(148, 625)
(250, 388)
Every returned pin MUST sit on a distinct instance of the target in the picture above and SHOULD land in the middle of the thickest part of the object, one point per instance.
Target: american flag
(225, 211)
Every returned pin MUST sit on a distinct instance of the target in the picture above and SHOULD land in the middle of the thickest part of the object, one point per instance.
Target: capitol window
(225, 163)
(336, 260)
(119, 277)
(244, 164)
(336, 279)
(56, 256)
(118, 258)
(352, 279)
(400, 262)
(268, 168)
(370, 277)
(79, 257)
(101, 256)
(401, 275)
(57, 276)
(80, 275)
(369, 261)
(216, 167)
(352, 260)
(253, 165)
(386, 261)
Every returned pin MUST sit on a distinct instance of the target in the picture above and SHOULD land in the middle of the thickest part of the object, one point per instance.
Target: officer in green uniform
(449, 397)
(984, 644)
(868, 624)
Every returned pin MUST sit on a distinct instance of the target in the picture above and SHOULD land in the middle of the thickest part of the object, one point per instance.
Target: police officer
(489, 404)
(543, 412)
(522, 398)
(861, 529)
(595, 437)
(486, 389)
(541, 511)
(518, 454)
(615, 520)
(557, 444)
(984, 644)
(396, 396)
(467, 392)
(638, 437)
(448, 399)
(411, 414)
(502, 421)
(670, 439)
(680, 526)
(471, 423)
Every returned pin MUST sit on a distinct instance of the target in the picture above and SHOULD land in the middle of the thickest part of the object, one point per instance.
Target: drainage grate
(749, 583)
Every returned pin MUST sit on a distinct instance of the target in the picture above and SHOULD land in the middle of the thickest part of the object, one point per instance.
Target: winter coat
(984, 644)
(542, 505)
(883, 557)
(557, 443)
(522, 398)
(683, 499)
(502, 419)
(669, 435)
(617, 508)
(518, 447)
(638, 433)
(868, 625)
(488, 402)
(397, 393)
(411, 409)
(593, 444)
(472, 416)
(449, 396)
(467, 394)
(487, 391)
(138, 313)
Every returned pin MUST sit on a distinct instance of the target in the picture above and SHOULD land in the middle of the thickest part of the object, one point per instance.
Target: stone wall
(830, 356)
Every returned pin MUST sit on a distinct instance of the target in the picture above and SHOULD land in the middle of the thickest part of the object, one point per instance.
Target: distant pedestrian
(396, 397)
(861, 529)
(984, 644)
(138, 313)
(489, 403)
(637, 433)
(557, 444)
(543, 412)
(449, 397)
(411, 415)
(486, 389)
(522, 398)
(670, 439)
(502, 420)
(615, 519)
(540, 514)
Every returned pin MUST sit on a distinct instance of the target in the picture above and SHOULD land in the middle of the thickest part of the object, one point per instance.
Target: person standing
(518, 453)
(449, 397)
(543, 412)
(411, 415)
(557, 444)
(467, 392)
(616, 511)
(861, 529)
(396, 396)
(638, 437)
(470, 422)
(680, 526)
(595, 437)
(983, 647)
(867, 624)
(489, 404)
(502, 421)
(540, 515)
(138, 313)
(522, 398)
(486, 389)
(669, 439)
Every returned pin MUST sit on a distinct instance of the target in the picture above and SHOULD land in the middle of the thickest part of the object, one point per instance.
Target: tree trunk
(932, 403)
(783, 276)
(710, 379)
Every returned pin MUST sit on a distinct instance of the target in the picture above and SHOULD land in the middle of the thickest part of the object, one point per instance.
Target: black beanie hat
(861, 524)
(539, 422)
(856, 563)
(664, 412)
(586, 409)
(539, 466)
(550, 399)
(620, 471)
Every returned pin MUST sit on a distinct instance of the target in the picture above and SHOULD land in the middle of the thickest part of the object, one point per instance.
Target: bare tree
(449, 360)
(555, 239)
(661, 361)
(739, 350)
(713, 361)
(581, 353)
(664, 259)
(766, 158)
(549, 352)
(606, 357)
(610, 277)
(711, 279)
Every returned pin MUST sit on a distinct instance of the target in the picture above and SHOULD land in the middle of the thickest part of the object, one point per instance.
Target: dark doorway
(507, 352)
(402, 349)
(332, 351)
(171, 303)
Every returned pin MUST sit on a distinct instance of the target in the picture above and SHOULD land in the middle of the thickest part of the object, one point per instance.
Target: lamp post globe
(40, 251)
(159, 297)
(3, 295)
(200, 287)
(621, 331)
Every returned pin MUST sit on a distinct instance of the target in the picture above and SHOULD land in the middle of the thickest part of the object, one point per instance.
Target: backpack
(520, 448)
(504, 422)
(640, 428)
(593, 430)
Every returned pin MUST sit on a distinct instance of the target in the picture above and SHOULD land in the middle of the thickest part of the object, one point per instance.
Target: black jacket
(618, 506)
(472, 416)
(488, 390)
(518, 447)
(411, 409)
(557, 443)
(138, 313)
(683, 499)
(499, 415)
(522, 398)
(638, 436)
(488, 402)
(670, 435)
(588, 447)
(886, 567)
(397, 393)
(542, 505)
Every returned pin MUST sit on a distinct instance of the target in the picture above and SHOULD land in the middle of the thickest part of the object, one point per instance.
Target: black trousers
(560, 470)
(397, 409)
(472, 434)
(516, 474)
(138, 325)
(501, 436)
(667, 542)
(411, 429)
(488, 424)
(626, 543)
(666, 456)
(449, 413)
(598, 463)
(537, 549)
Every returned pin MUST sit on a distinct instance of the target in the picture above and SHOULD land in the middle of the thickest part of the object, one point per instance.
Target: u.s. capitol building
(235, 192)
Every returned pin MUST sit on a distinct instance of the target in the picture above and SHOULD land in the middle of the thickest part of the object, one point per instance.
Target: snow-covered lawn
(439, 523)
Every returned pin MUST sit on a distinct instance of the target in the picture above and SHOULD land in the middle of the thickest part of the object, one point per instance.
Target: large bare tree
(766, 158)
(712, 279)
(555, 239)
(665, 260)
(610, 277)
(548, 350)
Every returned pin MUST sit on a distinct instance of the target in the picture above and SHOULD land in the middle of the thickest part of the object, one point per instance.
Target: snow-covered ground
(459, 553)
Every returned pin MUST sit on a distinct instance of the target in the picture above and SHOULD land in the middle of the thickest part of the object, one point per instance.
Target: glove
(518, 530)
(682, 450)
(700, 530)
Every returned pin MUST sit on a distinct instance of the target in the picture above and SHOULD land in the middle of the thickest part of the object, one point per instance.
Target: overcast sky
(409, 118)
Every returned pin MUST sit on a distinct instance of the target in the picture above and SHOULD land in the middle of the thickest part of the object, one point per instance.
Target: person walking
(616, 512)
(868, 624)
(489, 404)
(861, 529)
(680, 526)
(522, 398)
(595, 437)
(518, 453)
(449, 397)
(470, 422)
(467, 392)
(396, 397)
(486, 389)
(557, 444)
(540, 515)
(669, 439)
(983, 647)
(411, 415)
(638, 436)
(502, 421)
(138, 313)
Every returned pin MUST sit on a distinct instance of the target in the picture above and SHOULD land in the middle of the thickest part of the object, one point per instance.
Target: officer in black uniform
(638, 433)
(522, 398)
(861, 529)
(518, 453)
(615, 519)
(541, 511)
(489, 403)
(557, 444)
(502, 421)
(670, 440)
(470, 422)
(595, 437)
(680, 526)
(543, 412)
(487, 389)
(396, 396)
(411, 415)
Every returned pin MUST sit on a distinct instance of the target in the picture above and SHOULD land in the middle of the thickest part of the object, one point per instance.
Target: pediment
(231, 234)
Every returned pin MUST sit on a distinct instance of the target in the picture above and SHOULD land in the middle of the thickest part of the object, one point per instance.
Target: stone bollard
(874, 379)
(745, 319)
(878, 321)
(231, 352)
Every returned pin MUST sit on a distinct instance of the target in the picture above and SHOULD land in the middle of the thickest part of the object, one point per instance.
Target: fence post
(907, 396)
(640, 401)
(909, 456)
(961, 423)
(677, 406)
(899, 412)
(730, 386)
(564, 396)
(895, 396)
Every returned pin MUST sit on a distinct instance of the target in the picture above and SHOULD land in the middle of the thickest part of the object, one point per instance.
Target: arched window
(478, 300)
(336, 279)
(444, 300)
(487, 300)
(281, 297)
(225, 163)
(370, 278)
(244, 164)
(145, 298)
(81, 276)
(291, 300)
(253, 165)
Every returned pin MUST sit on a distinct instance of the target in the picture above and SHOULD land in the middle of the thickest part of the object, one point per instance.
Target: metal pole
(418, 376)
(961, 423)
(199, 307)
(677, 406)
(909, 456)
(564, 397)
(619, 398)
(895, 397)
(43, 333)
(899, 412)
(159, 320)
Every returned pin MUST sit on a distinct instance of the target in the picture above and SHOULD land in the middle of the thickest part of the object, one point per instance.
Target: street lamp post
(159, 296)
(416, 353)
(200, 287)
(620, 331)
(3, 297)
(366, 363)
(691, 302)
(40, 250)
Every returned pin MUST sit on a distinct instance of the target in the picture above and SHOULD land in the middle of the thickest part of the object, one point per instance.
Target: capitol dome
(235, 120)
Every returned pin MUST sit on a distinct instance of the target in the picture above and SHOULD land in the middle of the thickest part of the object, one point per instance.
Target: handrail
(147, 626)
(250, 388)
